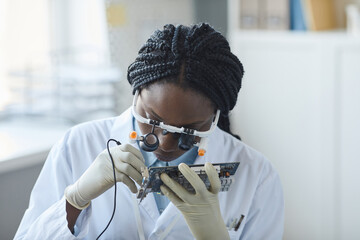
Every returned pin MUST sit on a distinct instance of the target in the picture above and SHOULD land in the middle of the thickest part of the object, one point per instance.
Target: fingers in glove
(127, 169)
(176, 188)
(127, 181)
(193, 178)
(128, 154)
(213, 178)
(133, 150)
(171, 195)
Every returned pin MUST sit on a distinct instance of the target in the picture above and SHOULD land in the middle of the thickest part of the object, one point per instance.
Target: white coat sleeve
(266, 215)
(45, 217)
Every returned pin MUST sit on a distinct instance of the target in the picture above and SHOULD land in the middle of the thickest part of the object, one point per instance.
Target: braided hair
(197, 57)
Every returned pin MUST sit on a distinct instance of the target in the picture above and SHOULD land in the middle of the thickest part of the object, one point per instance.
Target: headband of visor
(150, 142)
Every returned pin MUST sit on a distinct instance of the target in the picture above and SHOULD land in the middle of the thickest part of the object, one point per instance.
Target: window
(24, 42)
(68, 59)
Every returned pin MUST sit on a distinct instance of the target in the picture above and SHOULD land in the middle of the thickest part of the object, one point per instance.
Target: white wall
(349, 141)
(299, 106)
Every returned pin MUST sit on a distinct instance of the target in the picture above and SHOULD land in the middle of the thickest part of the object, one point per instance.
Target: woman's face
(173, 105)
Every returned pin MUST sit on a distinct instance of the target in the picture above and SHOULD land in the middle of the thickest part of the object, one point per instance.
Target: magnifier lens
(150, 142)
(151, 139)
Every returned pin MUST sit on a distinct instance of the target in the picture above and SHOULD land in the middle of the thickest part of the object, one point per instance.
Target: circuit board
(153, 182)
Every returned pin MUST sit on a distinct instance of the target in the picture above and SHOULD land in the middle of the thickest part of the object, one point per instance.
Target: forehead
(176, 105)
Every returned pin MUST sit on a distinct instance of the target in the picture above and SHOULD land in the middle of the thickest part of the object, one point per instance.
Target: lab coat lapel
(171, 221)
(149, 205)
(168, 214)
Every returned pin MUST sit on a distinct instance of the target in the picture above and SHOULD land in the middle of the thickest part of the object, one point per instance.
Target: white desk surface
(27, 141)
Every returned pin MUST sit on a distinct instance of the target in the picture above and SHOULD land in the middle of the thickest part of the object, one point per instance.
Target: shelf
(341, 34)
(340, 37)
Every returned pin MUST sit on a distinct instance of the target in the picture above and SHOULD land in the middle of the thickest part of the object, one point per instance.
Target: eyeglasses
(150, 141)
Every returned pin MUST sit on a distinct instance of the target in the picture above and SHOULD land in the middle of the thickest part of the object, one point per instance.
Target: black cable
(115, 189)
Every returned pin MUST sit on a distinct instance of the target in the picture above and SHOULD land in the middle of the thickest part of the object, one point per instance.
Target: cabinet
(299, 105)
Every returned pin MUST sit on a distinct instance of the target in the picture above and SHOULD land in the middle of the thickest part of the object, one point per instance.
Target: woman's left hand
(200, 210)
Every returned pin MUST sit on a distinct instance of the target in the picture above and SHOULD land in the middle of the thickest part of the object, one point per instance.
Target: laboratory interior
(64, 62)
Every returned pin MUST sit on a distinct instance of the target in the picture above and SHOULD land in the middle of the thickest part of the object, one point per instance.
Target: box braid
(196, 57)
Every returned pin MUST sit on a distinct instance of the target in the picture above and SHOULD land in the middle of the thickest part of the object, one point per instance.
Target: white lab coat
(256, 193)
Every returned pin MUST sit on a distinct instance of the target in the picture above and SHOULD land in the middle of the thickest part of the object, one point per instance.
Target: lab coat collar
(149, 205)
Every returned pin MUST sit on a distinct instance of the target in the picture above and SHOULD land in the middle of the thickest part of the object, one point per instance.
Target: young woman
(185, 81)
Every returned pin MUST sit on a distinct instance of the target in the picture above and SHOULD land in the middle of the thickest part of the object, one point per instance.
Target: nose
(168, 143)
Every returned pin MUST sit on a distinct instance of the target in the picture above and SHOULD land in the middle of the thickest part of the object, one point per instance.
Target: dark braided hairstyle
(197, 57)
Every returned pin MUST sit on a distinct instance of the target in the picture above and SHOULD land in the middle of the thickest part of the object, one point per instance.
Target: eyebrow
(161, 120)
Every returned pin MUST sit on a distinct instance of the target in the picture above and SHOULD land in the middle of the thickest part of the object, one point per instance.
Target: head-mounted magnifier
(150, 142)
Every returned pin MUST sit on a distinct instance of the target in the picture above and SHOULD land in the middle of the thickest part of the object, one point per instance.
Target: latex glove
(99, 176)
(200, 210)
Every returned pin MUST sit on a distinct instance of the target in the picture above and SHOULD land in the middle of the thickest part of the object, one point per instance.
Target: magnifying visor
(150, 141)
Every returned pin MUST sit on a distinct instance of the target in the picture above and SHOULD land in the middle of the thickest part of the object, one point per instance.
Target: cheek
(206, 126)
(144, 128)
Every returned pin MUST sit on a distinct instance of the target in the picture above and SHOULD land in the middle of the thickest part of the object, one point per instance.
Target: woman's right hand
(99, 176)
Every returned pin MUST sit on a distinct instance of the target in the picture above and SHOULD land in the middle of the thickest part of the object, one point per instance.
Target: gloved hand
(200, 210)
(99, 176)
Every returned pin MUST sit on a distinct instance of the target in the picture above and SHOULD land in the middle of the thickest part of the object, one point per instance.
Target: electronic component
(152, 181)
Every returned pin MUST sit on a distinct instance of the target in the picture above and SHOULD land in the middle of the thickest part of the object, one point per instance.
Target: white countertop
(27, 141)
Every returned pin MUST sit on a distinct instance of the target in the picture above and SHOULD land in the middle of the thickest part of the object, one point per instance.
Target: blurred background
(64, 62)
